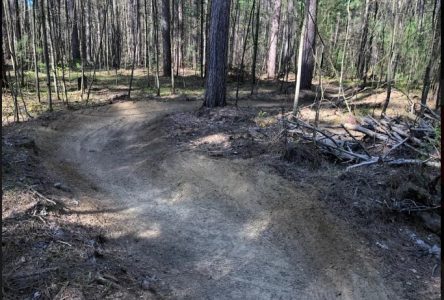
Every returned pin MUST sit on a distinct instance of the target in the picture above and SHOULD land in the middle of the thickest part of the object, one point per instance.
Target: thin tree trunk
(233, 35)
(10, 35)
(256, 41)
(299, 72)
(393, 58)
(363, 43)
(135, 34)
(147, 43)
(46, 54)
(83, 49)
(202, 41)
(431, 56)
(156, 43)
(34, 52)
(53, 50)
(241, 67)
(102, 30)
(341, 78)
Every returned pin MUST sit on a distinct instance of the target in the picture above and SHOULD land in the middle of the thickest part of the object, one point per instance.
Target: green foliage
(262, 114)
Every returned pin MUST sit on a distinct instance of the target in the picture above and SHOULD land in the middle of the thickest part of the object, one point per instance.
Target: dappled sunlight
(254, 228)
(220, 139)
(153, 232)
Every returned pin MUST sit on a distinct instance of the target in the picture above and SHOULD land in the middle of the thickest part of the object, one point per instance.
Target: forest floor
(156, 197)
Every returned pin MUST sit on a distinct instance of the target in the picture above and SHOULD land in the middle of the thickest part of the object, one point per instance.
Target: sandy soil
(204, 228)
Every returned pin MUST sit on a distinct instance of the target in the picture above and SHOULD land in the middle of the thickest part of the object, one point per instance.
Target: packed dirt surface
(203, 227)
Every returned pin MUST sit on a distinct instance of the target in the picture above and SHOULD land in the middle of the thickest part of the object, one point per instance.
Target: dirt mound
(48, 253)
(186, 225)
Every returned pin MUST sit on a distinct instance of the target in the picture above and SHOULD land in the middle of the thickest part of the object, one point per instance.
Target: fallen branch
(353, 137)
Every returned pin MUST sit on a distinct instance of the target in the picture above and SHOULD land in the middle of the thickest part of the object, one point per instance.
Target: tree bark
(202, 40)
(431, 60)
(53, 47)
(300, 57)
(256, 41)
(215, 88)
(241, 67)
(166, 37)
(154, 15)
(46, 54)
(393, 57)
(362, 54)
(34, 51)
(75, 43)
(3, 70)
(272, 52)
(309, 46)
(231, 57)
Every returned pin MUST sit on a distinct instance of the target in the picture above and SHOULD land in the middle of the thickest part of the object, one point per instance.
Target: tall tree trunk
(135, 27)
(202, 39)
(215, 88)
(241, 67)
(272, 52)
(166, 37)
(19, 45)
(46, 54)
(362, 54)
(300, 57)
(147, 44)
(431, 60)
(231, 57)
(154, 15)
(393, 57)
(309, 46)
(10, 36)
(344, 51)
(82, 48)
(53, 50)
(207, 37)
(256, 41)
(4, 82)
(34, 51)
(75, 43)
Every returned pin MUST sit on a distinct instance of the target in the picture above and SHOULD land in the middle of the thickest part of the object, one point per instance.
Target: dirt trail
(208, 228)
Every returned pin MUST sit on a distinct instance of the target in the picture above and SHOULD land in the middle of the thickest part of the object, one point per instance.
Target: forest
(221, 149)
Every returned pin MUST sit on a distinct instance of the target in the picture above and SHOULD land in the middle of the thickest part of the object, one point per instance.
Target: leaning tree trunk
(166, 37)
(215, 88)
(272, 52)
(309, 46)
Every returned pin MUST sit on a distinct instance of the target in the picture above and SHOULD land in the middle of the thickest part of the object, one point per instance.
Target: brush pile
(393, 141)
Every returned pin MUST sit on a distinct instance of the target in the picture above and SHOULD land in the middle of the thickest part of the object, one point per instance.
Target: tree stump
(79, 82)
